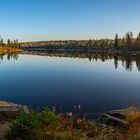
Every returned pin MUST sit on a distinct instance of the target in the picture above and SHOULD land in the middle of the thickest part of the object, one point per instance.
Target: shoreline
(114, 124)
(34, 49)
(9, 50)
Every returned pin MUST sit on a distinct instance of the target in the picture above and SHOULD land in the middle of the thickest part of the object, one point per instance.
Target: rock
(118, 118)
(9, 111)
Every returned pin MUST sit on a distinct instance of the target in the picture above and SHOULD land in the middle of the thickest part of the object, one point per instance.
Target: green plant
(48, 117)
(27, 126)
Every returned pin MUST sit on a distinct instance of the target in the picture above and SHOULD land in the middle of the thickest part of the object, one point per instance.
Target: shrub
(27, 126)
(24, 127)
(134, 117)
(48, 117)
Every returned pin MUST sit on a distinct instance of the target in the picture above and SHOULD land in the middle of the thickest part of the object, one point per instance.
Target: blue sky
(31, 20)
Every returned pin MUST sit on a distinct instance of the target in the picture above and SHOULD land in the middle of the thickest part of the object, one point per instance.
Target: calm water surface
(63, 82)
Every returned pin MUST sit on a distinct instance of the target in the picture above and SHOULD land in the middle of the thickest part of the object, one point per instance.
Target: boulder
(117, 118)
(9, 111)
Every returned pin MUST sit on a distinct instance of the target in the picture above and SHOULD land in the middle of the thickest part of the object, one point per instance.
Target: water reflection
(78, 85)
(127, 60)
(9, 57)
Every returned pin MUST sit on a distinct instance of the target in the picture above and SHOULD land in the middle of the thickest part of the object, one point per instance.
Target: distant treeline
(127, 43)
(9, 43)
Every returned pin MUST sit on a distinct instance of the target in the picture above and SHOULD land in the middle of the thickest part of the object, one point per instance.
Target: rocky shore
(109, 123)
(8, 112)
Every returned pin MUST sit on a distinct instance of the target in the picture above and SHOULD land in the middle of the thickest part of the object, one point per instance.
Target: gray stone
(9, 111)
(117, 118)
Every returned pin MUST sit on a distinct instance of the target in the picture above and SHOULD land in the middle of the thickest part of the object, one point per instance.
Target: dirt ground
(3, 129)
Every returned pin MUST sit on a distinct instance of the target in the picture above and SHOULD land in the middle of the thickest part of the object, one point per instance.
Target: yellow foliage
(134, 117)
(8, 50)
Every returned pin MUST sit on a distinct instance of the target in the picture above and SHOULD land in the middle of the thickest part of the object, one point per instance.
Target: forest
(126, 43)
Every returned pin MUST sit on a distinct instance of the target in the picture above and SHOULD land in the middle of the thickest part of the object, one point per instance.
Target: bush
(27, 126)
(48, 117)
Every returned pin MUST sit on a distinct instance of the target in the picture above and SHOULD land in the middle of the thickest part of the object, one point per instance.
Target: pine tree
(116, 42)
(137, 42)
(1, 41)
(8, 41)
(129, 42)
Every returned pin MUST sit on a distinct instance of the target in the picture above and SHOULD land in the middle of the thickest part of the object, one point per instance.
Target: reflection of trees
(137, 60)
(127, 60)
(12, 56)
(9, 57)
(116, 61)
(1, 57)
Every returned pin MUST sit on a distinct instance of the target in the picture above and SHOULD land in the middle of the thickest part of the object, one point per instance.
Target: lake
(86, 83)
